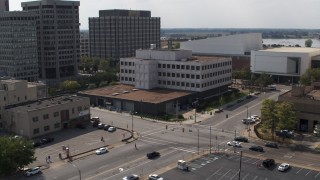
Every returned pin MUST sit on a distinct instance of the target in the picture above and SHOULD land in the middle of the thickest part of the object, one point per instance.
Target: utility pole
(240, 165)
(210, 139)
(195, 114)
(132, 122)
(141, 108)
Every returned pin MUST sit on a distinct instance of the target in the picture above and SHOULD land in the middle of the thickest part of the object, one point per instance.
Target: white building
(284, 62)
(176, 69)
(231, 45)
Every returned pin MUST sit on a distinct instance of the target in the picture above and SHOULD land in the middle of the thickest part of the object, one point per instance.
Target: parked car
(248, 121)
(101, 150)
(155, 177)
(112, 129)
(101, 125)
(106, 127)
(256, 148)
(33, 171)
(234, 143)
(42, 141)
(218, 110)
(241, 139)
(131, 177)
(153, 154)
(36, 143)
(283, 167)
(268, 163)
(271, 145)
(95, 124)
(285, 133)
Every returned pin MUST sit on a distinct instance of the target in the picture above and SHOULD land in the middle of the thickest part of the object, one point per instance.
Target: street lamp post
(240, 165)
(198, 142)
(132, 122)
(210, 139)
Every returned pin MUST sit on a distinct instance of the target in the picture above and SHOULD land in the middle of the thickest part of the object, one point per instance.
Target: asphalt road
(173, 144)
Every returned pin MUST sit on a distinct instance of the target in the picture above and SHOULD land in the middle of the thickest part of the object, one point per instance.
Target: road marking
(237, 172)
(180, 149)
(213, 174)
(246, 176)
(317, 175)
(308, 173)
(255, 177)
(299, 170)
(224, 174)
(249, 159)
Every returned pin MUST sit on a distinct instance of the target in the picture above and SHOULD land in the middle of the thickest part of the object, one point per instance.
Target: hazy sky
(212, 13)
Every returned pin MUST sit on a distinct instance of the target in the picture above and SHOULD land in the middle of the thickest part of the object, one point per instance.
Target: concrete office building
(4, 5)
(14, 92)
(58, 38)
(285, 64)
(307, 103)
(45, 116)
(18, 45)
(119, 33)
(84, 44)
(176, 69)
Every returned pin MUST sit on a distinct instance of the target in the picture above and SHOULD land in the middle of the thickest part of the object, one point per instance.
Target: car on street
(106, 127)
(101, 150)
(131, 177)
(153, 154)
(271, 145)
(33, 171)
(101, 125)
(268, 163)
(234, 143)
(46, 140)
(112, 129)
(283, 167)
(256, 148)
(155, 177)
(218, 110)
(241, 139)
(248, 121)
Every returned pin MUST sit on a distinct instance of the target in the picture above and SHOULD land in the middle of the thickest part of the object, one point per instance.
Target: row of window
(192, 76)
(55, 114)
(191, 67)
(197, 85)
(46, 128)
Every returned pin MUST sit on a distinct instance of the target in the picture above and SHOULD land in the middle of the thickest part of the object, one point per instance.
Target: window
(178, 75)
(36, 131)
(192, 84)
(35, 119)
(187, 67)
(72, 110)
(159, 73)
(168, 66)
(46, 128)
(4, 98)
(169, 82)
(192, 76)
(178, 66)
(178, 83)
(173, 66)
(192, 67)
(55, 114)
(182, 66)
(173, 83)
(159, 65)
(182, 83)
(46, 116)
(198, 68)
(159, 81)
(168, 74)
(187, 75)
(80, 108)
(163, 66)
(25, 97)
(57, 125)
(173, 74)
(187, 84)
(182, 75)
(198, 85)
(163, 74)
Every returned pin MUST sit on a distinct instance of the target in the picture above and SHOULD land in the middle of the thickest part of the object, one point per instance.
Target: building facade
(284, 64)
(16, 92)
(48, 115)
(4, 5)
(58, 37)
(84, 44)
(119, 33)
(307, 103)
(18, 45)
(175, 69)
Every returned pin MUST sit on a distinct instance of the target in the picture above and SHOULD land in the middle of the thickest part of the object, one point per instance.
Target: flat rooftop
(193, 58)
(127, 92)
(293, 50)
(314, 95)
(46, 103)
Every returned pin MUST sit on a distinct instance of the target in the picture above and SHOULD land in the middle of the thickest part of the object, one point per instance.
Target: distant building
(14, 92)
(4, 5)
(285, 64)
(84, 44)
(58, 38)
(18, 45)
(119, 33)
(176, 69)
(230, 45)
(307, 103)
(37, 118)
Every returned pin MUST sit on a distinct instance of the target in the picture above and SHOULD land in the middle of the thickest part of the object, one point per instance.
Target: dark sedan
(256, 148)
(153, 155)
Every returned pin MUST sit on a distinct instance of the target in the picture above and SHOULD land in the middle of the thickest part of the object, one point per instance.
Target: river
(292, 42)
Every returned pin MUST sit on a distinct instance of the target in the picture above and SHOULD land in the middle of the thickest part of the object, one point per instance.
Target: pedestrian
(46, 159)
(49, 159)
(102, 138)
(135, 145)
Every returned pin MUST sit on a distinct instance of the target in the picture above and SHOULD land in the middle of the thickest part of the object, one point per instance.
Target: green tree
(286, 116)
(177, 45)
(52, 91)
(103, 65)
(15, 153)
(233, 96)
(92, 86)
(222, 101)
(308, 43)
(69, 85)
(268, 117)
(310, 76)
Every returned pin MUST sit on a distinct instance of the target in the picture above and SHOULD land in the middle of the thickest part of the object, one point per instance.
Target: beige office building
(45, 116)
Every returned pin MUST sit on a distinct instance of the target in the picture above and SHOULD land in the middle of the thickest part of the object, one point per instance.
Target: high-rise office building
(84, 44)
(18, 45)
(58, 38)
(4, 5)
(119, 33)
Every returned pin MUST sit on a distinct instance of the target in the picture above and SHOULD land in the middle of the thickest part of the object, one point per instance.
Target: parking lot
(223, 167)
(78, 141)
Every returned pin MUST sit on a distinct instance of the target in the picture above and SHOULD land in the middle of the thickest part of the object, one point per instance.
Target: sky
(300, 14)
